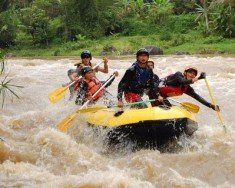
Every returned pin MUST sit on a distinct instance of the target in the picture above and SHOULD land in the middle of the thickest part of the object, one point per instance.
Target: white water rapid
(35, 154)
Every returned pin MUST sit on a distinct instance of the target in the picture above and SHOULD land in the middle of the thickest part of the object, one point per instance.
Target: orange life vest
(92, 87)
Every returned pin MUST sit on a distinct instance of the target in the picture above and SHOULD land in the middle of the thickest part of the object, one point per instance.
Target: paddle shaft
(174, 100)
(134, 103)
(66, 122)
(214, 103)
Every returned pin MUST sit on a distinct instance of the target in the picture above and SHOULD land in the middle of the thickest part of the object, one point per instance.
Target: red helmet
(187, 69)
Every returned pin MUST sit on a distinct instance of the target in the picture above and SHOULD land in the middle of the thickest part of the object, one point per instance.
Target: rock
(153, 50)
(108, 49)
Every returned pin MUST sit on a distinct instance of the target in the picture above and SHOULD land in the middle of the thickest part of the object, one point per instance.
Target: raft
(147, 127)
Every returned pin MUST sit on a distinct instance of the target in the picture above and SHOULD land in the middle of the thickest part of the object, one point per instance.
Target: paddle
(96, 108)
(66, 122)
(60, 92)
(214, 103)
(189, 106)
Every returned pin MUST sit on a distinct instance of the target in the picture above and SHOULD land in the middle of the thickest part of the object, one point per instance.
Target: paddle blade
(66, 122)
(57, 94)
(190, 107)
(92, 109)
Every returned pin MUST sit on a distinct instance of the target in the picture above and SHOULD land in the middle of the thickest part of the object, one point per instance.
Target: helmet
(187, 69)
(142, 51)
(71, 71)
(86, 69)
(85, 54)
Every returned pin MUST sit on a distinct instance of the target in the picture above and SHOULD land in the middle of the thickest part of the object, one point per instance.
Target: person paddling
(86, 58)
(74, 74)
(137, 79)
(88, 85)
(179, 83)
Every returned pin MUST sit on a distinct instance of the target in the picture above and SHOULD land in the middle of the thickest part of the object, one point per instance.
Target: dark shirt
(136, 80)
(178, 80)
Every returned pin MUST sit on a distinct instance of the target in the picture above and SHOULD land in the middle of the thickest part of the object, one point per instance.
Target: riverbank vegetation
(118, 27)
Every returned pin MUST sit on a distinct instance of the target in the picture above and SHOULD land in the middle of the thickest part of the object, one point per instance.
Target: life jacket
(170, 91)
(141, 78)
(92, 87)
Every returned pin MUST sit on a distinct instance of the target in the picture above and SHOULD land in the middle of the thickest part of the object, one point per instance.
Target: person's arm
(190, 91)
(123, 84)
(111, 81)
(105, 69)
(154, 89)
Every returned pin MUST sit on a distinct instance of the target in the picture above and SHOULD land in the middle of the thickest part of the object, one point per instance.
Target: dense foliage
(40, 23)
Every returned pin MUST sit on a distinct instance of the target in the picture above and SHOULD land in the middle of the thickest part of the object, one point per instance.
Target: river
(35, 154)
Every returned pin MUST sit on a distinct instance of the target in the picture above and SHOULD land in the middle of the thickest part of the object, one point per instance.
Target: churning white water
(35, 154)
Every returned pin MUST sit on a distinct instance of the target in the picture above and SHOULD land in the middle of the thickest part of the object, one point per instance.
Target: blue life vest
(142, 77)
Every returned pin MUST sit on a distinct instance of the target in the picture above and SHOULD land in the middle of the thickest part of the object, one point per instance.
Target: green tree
(183, 6)
(37, 24)
(86, 17)
(224, 20)
(52, 8)
(8, 28)
(4, 5)
(203, 10)
(160, 10)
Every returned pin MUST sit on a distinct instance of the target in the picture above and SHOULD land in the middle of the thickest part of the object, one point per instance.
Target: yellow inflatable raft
(147, 126)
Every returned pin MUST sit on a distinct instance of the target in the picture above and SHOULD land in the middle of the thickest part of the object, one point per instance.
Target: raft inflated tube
(106, 117)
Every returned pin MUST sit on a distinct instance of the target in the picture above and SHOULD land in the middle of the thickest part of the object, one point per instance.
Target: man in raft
(74, 74)
(137, 79)
(88, 85)
(179, 83)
